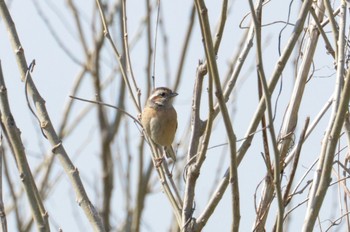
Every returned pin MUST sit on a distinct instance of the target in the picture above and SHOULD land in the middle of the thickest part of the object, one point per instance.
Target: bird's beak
(173, 94)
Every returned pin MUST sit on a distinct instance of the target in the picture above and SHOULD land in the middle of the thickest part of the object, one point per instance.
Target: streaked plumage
(159, 119)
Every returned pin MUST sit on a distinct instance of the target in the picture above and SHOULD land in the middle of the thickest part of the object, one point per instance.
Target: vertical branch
(142, 190)
(264, 204)
(104, 128)
(118, 56)
(19, 219)
(214, 74)
(150, 79)
(333, 23)
(317, 200)
(329, 47)
(286, 197)
(127, 50)
(331, 138)
(163, 172)
(316, 179)
(311, 128)
(238, 64)
(220, 30)
(2, 208)
(267, 96)
(280, 65)
(196, 132)
(298, 28)
(185, 49)
(46, 124)
(12, 133)
(194, 170)
(264, 126)
(81, 35)
(291, 116)
(195, 160)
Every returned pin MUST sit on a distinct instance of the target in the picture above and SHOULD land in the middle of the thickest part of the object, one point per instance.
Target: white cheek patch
(157, 99)
(154, 95)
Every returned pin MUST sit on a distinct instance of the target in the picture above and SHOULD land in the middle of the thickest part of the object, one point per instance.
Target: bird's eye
(162, 94)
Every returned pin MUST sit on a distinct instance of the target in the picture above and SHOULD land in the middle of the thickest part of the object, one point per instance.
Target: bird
(159, 119)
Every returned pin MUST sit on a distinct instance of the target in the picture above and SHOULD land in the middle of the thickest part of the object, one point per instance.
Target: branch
(256, 15)
(280, 65)
(117, 55)
(214, 75)
(333, 26)
(2, 208)
(327, 160)
(46, 124)
(108, 105)
(286, 196)
(12, 134)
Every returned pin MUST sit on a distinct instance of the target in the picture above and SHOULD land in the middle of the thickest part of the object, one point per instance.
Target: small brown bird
(159, 119)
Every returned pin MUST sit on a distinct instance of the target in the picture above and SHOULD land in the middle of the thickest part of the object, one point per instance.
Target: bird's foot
(158, 162)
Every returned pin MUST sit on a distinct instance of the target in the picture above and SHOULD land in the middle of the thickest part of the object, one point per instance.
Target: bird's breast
(162, 126)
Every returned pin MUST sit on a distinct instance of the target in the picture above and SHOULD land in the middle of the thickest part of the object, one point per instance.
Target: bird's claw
(159, 162)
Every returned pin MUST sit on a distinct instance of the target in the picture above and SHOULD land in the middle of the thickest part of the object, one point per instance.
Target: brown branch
(12, 134)
(286, 196)
(15, 199)
(321, 189)
(256, 16)
(2, 208)
(117, 55)
(46, 125)
(185, 49)
(214, 75)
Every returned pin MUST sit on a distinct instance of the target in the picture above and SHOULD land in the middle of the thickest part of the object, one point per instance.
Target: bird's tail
(170, 153)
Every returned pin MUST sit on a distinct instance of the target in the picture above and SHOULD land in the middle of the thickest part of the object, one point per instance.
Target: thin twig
(118, 56)
(320, 188)
(256, 16)
(2, 208)
(108, 105)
